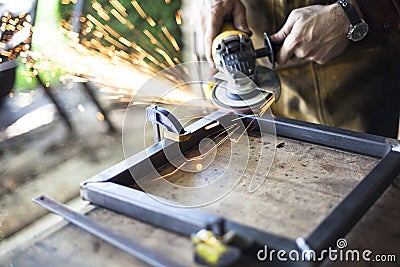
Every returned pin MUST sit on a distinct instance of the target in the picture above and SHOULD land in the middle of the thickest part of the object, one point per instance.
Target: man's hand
(212, 15)
(314, 33)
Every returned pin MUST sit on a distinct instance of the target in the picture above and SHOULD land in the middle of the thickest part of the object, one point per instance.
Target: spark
(199, 167)
(124, 41)
(114, 42)
(81, 108)
(102, 54)
(267, 105)
(178, 17)
(118, 16)
(112, 31)
(100, 116)
(143, 14)
(95, 21)
(118, 6)
(150, 21)
(105, 32)
(177, 61)
(170, 38)
(16, 35)
(166, 56)
(100, 11)
(150, 36)
(139, 9)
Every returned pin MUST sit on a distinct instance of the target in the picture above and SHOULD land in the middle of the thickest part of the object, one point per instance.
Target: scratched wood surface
(304, 183)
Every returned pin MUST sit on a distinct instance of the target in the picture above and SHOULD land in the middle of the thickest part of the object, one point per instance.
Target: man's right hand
(313, 33)
(209, 16)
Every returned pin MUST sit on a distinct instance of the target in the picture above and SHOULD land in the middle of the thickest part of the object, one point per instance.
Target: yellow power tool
(241, 84)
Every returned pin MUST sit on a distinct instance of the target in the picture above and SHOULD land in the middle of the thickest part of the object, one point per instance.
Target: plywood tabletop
(304, 183)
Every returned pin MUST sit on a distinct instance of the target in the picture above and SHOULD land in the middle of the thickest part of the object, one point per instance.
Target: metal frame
(110, 188)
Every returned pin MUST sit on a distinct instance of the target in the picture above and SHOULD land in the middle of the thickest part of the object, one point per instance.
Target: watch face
(359, 31)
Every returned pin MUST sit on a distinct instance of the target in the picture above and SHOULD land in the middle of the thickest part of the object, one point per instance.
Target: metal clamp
(211, 250)
(396, 147)
(173, 129)
(304, 248)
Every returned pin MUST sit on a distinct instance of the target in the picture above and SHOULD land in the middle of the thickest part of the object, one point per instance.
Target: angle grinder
(241, 84)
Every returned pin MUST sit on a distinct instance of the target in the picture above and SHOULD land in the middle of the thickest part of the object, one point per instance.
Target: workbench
(305, 182)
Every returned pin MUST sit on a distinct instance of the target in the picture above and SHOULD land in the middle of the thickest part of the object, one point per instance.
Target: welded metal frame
(110, 188)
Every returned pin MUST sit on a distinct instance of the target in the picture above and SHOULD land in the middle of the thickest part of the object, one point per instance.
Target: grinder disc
(266, 83)
(224, 98)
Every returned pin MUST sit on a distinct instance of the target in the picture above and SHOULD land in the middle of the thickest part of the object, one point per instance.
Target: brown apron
(359, 90)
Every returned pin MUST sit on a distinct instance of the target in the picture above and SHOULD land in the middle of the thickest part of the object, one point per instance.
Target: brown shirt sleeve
(383, 18)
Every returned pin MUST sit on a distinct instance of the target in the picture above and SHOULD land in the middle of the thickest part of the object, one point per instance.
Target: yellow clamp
(210, 250)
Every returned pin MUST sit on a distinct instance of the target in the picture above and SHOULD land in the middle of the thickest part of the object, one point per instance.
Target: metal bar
(8, 65)
(93, 97)
(154, 258)
(261, 238)
(77, 14)
(63, 114)
(33, 11)
(140, 205)
(349, 211)
(356, 142)
(137, 204)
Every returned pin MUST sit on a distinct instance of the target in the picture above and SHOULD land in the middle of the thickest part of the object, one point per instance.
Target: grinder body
(241, 84)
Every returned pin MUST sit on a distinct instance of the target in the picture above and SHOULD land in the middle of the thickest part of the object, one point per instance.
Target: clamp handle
(162, 117)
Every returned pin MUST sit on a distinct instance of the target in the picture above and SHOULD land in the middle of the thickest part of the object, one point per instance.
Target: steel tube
(356, 142)
(350, 210)
(134, 248)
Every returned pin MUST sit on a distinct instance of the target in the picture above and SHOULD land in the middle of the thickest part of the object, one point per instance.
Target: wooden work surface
(304, 183)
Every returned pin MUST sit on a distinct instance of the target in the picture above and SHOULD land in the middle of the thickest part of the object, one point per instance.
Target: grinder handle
(269, 50)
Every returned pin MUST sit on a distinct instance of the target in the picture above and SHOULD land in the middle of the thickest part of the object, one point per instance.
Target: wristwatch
(358, 28)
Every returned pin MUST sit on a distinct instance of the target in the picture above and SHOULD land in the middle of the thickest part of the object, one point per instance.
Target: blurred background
(68, 70)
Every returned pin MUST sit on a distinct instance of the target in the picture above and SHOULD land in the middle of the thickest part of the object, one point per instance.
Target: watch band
(350, 11)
